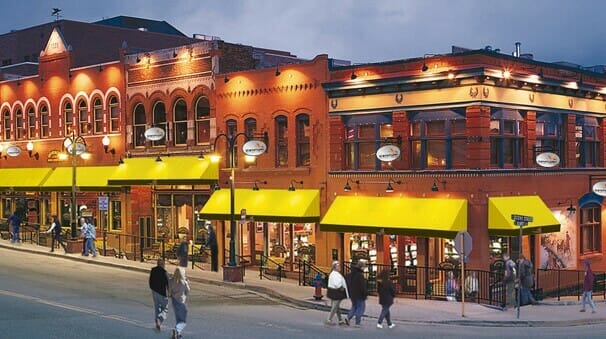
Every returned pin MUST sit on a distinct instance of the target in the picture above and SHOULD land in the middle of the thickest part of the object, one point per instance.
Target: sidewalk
(547, 313)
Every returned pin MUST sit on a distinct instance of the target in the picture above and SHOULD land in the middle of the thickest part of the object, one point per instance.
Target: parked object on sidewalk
(336, 292)
(588, 287)
(158, 283)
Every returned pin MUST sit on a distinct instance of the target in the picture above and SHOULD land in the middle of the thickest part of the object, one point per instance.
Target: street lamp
(74, 145)
(250, 148)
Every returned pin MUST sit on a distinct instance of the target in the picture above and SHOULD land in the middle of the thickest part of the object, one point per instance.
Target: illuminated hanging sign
(13, 151)
(388, 153)
(254, 148)
(599, 188)
(154, 134)
(547, 159)
(80, 148)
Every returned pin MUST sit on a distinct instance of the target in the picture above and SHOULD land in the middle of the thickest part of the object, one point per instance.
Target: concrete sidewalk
(547, 313)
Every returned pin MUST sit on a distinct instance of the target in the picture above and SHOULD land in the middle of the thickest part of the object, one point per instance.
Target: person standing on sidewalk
(387, 292)
(55, 231)
(509, 280)
(588, 287)
(337, 291)
(178, 288)
(15, 222)
(91, 236)
(357, 292)
(526, 281)
(211, 242)
(158, 283)
(183, 252)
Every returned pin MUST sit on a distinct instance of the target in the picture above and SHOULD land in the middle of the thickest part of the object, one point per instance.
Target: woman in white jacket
(178, 289)
(337, 291)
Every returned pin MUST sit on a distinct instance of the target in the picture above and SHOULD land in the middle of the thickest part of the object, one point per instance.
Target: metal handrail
(263, 267)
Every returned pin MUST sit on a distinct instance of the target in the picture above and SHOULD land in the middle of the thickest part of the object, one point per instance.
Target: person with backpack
(509, 280)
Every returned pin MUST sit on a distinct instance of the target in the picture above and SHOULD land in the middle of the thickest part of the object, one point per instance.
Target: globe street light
(74, 145)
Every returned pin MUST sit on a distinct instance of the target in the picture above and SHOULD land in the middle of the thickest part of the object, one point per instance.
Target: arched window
(139, 124)
(20, 124)
(68, 118)
(83, 118)
(44, 122)
(202, 120)
(231, 128)
(160, 121)
(6, 120)
(31, 123)
(98, 114)
(303, 137)
(506, 138)
(281, 127)
(114, 115)
(180, 122)
(250, 128)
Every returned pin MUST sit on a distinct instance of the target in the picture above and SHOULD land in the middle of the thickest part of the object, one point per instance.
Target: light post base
(73, 245)
(233, 273)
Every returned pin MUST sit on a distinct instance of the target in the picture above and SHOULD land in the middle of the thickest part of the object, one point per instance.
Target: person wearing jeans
(357, 292)
(387, 292)
(588, 287)
(336, 283)
(15, 223)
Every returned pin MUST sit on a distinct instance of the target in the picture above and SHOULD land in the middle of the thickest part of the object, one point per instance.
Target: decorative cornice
(268, 90)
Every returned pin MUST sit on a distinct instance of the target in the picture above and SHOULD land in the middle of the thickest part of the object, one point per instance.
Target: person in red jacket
(588, 287)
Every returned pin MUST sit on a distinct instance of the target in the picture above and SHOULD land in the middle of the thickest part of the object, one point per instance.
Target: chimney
(517, 51)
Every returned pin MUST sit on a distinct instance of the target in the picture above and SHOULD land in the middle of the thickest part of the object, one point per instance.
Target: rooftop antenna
(56, 13)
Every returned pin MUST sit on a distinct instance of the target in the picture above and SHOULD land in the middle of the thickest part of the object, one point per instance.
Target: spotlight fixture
(216, 187)
(175, 53)
(570, 209)
(435, 187)
(255, 187)
(424, 68)
(292, 186)
(347, 188)
(138, 59)
(506, 74)
(226, 79)
(451, 75)
(353, 75)
(158, 159)
(389, 188)
(278, 71)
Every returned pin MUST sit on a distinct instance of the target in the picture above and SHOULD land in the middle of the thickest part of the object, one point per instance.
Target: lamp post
(250, 148)
(74, 145)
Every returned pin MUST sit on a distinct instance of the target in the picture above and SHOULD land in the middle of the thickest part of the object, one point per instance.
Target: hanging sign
(254, 148)
(154, 133)
(80, 148)
(388, 153)
(13, 151)
(547, 159)
(599, 188)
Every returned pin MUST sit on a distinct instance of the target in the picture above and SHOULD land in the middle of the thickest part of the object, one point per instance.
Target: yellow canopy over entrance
(500, 210)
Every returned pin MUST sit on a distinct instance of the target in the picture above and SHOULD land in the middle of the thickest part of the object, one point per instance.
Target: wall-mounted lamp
(570, 209)
(158, 159)
(506, 74)
(353, 75)
(100, 68)
(138, 59)
(292, 186)
(226, 79)
(451, 75)
(278, 71)
(435, 187)
(216, 187)
(255, 187)
(30, 150)
(175, 53)
(105, 142)
(389, 188)
(120, 161)
(347, 188)
(69, 74)
(201, 156)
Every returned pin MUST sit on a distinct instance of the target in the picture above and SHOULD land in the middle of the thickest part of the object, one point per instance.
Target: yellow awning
(89, 178)
(23, 179)
(425, 217)
(174, 170)
(500, 210)
(302, 205)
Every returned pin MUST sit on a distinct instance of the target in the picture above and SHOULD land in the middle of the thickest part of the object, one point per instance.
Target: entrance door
(146, 231)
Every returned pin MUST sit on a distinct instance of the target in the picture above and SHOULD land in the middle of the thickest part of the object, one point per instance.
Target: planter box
(74, 246)
(233, 273)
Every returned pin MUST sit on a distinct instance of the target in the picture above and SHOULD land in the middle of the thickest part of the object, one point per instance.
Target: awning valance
(271, 205)
(174, 170)
(425, 217)
(500, 210)
(23, 179)
(88, 178)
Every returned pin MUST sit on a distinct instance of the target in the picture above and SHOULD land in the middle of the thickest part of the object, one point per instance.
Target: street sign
(103, 203)
(463, 243)
(523, 218)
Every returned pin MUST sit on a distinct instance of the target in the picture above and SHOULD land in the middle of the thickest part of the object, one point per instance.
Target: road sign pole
(520, 221)
(462, 258)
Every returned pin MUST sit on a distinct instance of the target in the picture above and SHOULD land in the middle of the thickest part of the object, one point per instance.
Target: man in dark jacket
(356, 285)
(211, 242)
(158, 282)
(527, 281)
(183, 252)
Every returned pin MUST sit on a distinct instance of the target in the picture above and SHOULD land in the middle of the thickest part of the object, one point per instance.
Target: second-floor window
(362, 138)
(98, 114)
(250, 128)
(437, 139)
(159, 112)
(31, 123)
(549, 136)
(202, 120)
(281, 141)
(68, 118)
(231, 129)
(20, 124)
(6, 121)
(303, 137)
(83, 118)
(506, 139)
(44, 122)
(180, 122)
(139, 126)
(114, 115)
(587, 141)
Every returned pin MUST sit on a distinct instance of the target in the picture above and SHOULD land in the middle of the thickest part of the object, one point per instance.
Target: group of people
(354, 287)
(211, 243)
(89, 233)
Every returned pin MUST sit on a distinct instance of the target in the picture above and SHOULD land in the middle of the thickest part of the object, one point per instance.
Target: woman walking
(387, 292)
(178, 288)
(337, 291)
(55, 230)
(588, 287)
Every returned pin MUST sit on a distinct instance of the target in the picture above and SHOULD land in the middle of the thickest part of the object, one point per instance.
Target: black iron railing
(269, 268)
(309, 273)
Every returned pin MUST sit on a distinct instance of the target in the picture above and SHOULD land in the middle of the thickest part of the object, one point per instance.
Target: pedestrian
(336, 292)
(509, 279)
(471, 285)
(90, 238)
(183, 252)
(356, 286)
(526, 281)
(158, 283)
(211, 242)
(55, 231)
(83, 234)
(387, 292)
(178, 288)
(588, 287)
(15, 222)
